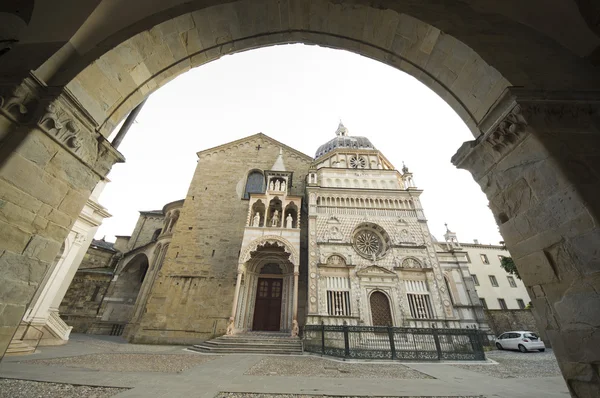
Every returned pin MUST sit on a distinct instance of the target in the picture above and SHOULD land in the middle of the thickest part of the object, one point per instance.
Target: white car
(520, 340)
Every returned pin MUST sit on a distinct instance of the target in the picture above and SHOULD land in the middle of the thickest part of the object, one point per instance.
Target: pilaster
(537, 162)
(51, 158)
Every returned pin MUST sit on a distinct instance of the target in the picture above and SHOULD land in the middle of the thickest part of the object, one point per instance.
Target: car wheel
(499, 346)
(522, 348)
(542, 349)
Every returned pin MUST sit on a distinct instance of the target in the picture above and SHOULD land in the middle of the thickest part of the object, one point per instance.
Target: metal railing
(380, 342)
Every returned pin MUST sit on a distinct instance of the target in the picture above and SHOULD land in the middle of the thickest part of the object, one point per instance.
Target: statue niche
(277, 184)
(275, 212)
(257, 215)
(291, 218)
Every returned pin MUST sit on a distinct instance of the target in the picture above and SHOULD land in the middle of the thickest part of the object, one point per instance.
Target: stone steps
(18, 347)
(280, 344)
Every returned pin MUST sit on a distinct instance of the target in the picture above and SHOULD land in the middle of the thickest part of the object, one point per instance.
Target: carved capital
(18, 102)
(507, 133)
(519, 112)
(57, 113)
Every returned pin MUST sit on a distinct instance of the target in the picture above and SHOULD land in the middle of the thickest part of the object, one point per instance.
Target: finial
(446, 224)
(280, 151)
(341, 131)
(404, 168)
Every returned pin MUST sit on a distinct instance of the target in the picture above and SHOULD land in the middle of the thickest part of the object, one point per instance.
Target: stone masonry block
(20, 268)
(30, 178)
(13, 238)
(17, 292)
(38, 148)
(17, 216)
(536, 267)
(14, 195)
(587, 250)
(74, 202)
(42, 248)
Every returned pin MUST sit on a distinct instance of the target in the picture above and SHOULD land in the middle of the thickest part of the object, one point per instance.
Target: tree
(509, 266)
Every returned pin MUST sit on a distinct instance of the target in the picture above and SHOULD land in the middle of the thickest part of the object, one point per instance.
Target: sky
(296, 94)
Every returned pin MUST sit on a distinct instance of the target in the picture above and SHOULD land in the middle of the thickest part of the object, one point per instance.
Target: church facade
(270, 239)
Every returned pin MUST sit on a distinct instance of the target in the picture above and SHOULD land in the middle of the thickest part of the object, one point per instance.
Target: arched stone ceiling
(467, 51)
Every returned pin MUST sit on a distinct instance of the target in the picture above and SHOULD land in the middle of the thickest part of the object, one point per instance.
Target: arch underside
(121, 78)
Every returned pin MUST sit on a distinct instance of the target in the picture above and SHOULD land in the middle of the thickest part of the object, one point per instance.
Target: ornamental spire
(279, 165)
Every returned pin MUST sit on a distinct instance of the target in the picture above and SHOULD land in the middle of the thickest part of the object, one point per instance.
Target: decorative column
(231, 323)
(295, 327)
(537, 161)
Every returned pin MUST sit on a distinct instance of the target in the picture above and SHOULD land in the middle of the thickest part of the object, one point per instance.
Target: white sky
(296, 94)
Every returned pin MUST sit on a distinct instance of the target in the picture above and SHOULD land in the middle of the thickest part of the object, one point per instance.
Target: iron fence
(380, 342)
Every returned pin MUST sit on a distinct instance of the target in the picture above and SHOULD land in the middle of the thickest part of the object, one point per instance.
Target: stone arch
(190, 39)
(275, 209)
(272, 239)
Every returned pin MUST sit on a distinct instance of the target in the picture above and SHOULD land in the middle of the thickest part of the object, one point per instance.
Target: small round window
(358, 162)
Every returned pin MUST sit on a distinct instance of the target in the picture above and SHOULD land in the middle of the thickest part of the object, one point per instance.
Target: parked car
(520, 340)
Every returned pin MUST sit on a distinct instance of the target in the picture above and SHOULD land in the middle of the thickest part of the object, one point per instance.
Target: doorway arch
(381, 312)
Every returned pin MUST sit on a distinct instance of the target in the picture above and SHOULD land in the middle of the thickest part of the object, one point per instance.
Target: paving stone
(166, 363)
(30, 389)
(518, 365)
(318, 367)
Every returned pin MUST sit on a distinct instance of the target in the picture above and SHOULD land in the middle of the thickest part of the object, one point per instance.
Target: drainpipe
(128, 122)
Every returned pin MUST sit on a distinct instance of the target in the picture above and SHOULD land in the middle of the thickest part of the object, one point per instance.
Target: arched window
(254, 184)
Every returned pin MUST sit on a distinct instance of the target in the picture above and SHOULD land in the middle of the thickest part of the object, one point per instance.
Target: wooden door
(380, 310)
(267, 310)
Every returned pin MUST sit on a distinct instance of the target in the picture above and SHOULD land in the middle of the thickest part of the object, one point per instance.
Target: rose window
(358, 162)
(368, 243)
(371, 241)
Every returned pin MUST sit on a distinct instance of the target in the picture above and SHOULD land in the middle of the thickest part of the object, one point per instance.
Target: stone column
(52, 157)
(295, 327)
(538, 163)
(238, 282)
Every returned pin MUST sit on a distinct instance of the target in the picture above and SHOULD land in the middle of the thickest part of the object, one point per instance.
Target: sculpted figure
(271, 186)
(275, 219)
(288, 221)
(283, 185)
(295, 328)
(277, 185)
(229, 330)
(256, 221)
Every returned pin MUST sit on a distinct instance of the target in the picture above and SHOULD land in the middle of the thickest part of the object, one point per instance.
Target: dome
(343, 140)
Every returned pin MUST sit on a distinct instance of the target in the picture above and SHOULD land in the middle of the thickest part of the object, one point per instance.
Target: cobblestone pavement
(34, 389)
(246, 395)
(515, 364)
(139, 371)
(318, 367)
(168, 363)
